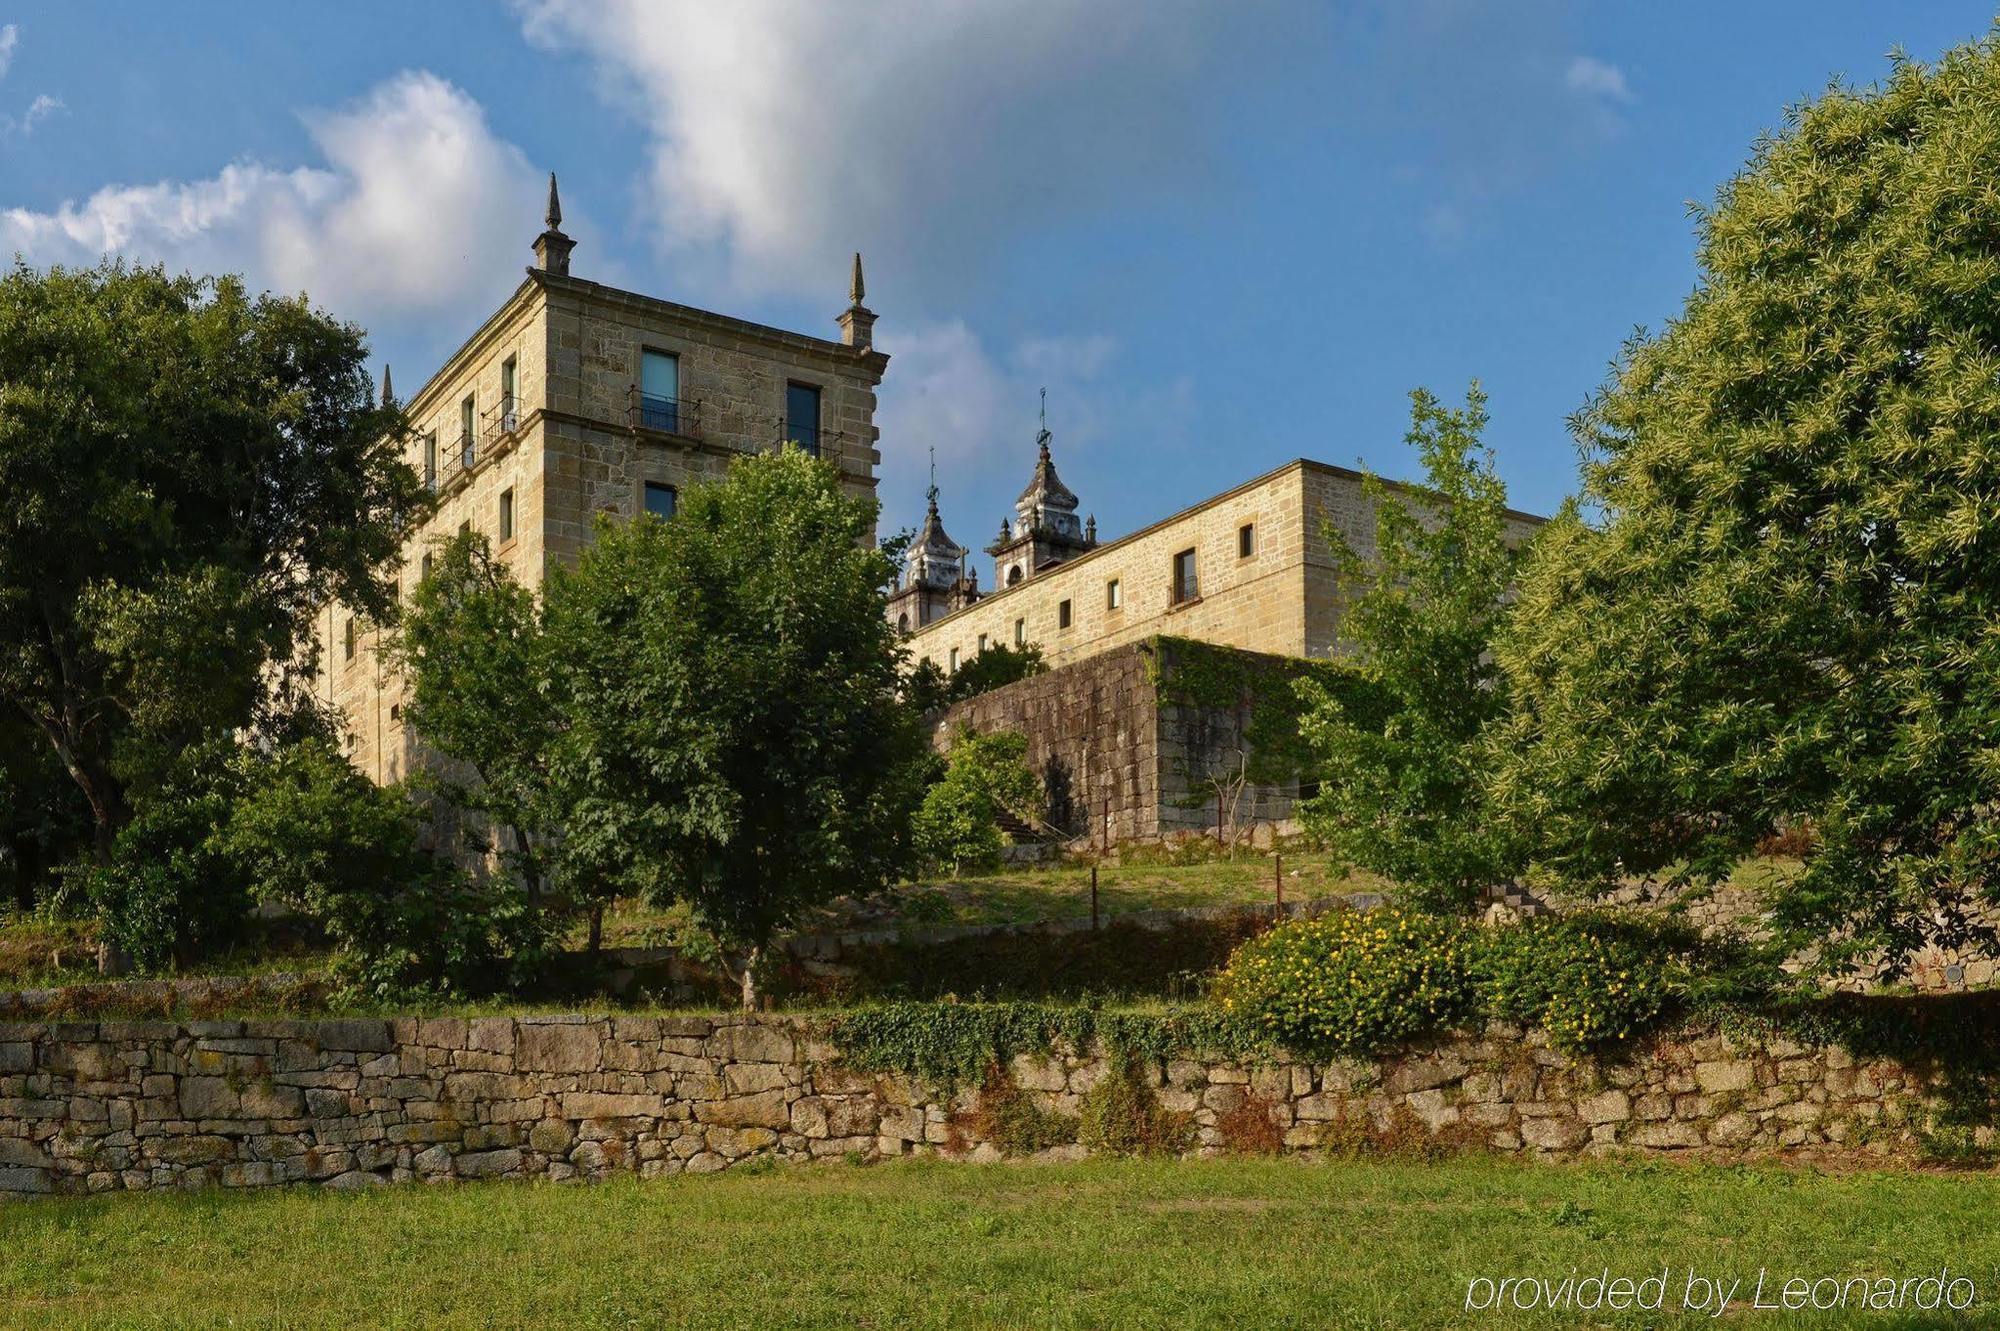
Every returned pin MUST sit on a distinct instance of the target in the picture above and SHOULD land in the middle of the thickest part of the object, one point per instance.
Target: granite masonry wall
(95, 1107)
(1116, 762)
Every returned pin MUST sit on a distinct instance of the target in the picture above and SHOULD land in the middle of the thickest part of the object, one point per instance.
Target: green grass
(1222, 1243)
(1040, 893)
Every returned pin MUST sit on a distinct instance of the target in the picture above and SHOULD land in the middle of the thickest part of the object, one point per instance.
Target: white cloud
(21, 126)
(418, 208)
(10, 38)
(784, 133)
(1589, 75)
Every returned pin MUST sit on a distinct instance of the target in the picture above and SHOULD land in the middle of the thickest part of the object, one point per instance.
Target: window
(465, 528)
(903, 622)
(1185, 586)
(661, 499)
(347, 641)
(982, 644)
(430, 562)
(954, 660)
(1114, 595)
(1014, 575)
(1062, 615)
(802, 416)
(1246, 540)
(507, 514)
(660, 391)
(465, 419)
(509, 415)
(431, 462)
(1020, 633)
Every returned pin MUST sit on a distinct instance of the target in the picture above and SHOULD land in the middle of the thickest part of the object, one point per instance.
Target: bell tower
(1044, 531)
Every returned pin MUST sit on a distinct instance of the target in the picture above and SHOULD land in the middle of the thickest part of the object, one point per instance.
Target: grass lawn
(1218, 1243)
(1040, 893)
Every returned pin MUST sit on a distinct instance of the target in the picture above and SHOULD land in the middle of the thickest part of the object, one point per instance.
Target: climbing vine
(953, 1044)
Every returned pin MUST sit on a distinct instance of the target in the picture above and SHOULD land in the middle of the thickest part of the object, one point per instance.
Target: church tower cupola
(1046, 530)
(552, 247)
(935, 580)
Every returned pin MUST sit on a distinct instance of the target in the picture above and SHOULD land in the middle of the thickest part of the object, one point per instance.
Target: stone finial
(388, 392)
(552, 247)
(857, 321)
(1090, 530)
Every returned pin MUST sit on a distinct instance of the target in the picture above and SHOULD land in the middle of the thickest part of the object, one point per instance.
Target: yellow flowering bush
(1351, 982)
(1584, 981)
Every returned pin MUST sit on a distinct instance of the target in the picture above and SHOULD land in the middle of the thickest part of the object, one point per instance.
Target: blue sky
(1221, 235)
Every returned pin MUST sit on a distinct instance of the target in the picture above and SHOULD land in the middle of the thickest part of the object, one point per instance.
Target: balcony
(458, 458)
(668, 415)
(807, 437)
(497, 424)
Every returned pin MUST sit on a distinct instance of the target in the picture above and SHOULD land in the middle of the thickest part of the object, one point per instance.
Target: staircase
(1509, 901)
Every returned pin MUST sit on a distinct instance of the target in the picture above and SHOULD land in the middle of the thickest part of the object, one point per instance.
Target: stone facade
(357, 1103)
(572, 442)
(1116, 762)
(1277, 598)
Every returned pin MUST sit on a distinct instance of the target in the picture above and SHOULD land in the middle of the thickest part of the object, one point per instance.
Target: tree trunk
(596, 928)
(750, 996)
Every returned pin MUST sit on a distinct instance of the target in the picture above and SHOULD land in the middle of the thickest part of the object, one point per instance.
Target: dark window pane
(802, 416)
(660, 499)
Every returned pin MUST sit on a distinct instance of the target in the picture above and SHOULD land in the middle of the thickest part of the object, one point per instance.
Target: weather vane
(932, 492)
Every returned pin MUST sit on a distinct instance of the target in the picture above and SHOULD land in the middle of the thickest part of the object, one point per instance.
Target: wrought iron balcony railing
(669, 415)
(497, 423)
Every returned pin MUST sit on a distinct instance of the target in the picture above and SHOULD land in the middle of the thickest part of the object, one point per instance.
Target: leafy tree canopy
(1402, 752)
(188, 472)
(1789, 607)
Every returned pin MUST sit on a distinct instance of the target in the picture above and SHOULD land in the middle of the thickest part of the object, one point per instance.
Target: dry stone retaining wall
(358, 1103)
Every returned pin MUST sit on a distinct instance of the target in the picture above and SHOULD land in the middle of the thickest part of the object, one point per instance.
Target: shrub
(1351, 982)
(1122, 1115)
(169, 894)
(1015, 1121)
(311, 831)
(1583, 981)
(1250, 1128)
(985, 775)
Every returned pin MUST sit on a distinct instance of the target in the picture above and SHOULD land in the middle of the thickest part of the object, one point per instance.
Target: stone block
(1733, 1075)
(1554, 1134)
(15, 1178)
(488, 1164)
(354, 1034)
(1609, 1107)
(553, 1048)
(605, 1104)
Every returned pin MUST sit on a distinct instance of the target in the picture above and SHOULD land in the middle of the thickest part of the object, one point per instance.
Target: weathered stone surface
(488, 1164)
(251, 1104)
(557, 1049)
(1609, 1107)
(1736, 1075)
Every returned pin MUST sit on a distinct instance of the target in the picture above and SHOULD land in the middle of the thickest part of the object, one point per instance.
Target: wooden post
(1278, 876)
(1093, 898)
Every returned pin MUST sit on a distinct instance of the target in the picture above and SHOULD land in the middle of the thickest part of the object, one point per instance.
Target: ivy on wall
(1262, 691)
(953, 1044)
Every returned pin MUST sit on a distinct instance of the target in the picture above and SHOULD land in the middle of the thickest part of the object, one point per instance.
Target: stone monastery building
(576, 399)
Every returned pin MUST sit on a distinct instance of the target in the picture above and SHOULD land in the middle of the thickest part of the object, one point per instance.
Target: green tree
(1786, 608)
(732, 736)
(189, 472)
(985, 776)
(44, 821)
(1402, 756)
(476, 660)
(927, 688)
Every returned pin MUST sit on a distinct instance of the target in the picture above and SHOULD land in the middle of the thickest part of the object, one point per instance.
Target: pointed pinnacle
(555, 205)
(388, 393)
(856, 289)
